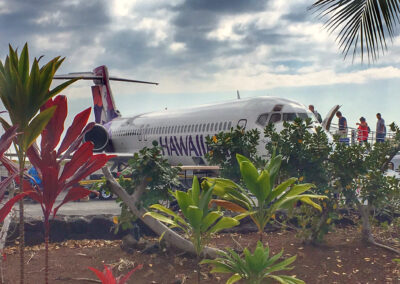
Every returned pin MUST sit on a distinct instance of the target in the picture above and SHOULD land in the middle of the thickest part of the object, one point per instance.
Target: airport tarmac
(81, 208)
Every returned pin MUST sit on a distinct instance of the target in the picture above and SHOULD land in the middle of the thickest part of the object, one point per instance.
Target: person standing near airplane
(380, 129)
(363, 131)
(342, 125)
(316, 113)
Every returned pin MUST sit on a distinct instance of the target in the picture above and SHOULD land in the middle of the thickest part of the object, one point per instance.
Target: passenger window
(275, 117)
(225, 125)
(195, 130)
(289, 116)
(220, 126)
(212, 127)
(229, 125)
(184, 129)
(204, 127)
(208, 127)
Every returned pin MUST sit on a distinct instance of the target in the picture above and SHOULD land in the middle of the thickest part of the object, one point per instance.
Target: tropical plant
(224, 146)
(47, 160)
(363, 25)
(269, 198)
(198, 221)
(106, 276)
(253, 268)
(23, 93)
(149, 168)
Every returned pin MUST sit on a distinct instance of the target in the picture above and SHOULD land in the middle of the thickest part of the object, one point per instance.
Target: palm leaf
(362, 25)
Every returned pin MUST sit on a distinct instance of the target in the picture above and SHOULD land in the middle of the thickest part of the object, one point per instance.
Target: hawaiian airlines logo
(192, 146)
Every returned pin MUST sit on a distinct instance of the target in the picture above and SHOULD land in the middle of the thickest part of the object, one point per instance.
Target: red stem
(46, 248)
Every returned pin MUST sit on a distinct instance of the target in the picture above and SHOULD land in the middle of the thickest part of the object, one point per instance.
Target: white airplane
(181, 133)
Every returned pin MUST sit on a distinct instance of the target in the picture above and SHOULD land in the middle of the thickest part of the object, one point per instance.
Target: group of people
(363, 129)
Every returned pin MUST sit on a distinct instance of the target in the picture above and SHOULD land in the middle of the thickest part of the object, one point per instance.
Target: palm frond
(362, 25)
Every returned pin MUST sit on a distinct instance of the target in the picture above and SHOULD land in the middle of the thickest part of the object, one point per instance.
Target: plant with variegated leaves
(261, 198)
(47, 161)
(253, 268)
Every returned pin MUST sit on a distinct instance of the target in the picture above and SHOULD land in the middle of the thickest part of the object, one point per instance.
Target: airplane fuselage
(182, 133)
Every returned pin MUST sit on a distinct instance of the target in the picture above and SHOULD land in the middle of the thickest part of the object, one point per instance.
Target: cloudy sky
(202, 51)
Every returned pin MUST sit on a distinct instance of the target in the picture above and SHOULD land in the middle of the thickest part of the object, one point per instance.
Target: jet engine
(98, 135)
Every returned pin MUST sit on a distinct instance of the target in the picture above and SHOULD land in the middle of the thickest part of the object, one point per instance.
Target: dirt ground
(342, 259)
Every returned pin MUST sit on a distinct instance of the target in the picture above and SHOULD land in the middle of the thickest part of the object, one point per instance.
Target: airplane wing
(326, 123)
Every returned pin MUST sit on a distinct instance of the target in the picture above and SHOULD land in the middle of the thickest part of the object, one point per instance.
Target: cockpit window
(289, 116)
(275, 117)
(305, 115)
(262, 119)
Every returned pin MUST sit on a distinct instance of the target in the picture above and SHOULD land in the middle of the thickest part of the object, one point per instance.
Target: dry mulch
(342, 259)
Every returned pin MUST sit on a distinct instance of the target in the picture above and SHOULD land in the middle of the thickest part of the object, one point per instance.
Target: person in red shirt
(363, 131)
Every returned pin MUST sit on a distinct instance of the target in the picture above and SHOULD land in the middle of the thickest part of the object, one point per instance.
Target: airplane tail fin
(103, 100)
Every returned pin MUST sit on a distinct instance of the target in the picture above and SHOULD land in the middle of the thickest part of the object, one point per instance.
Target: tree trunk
(21, 226)
(156, 226)
(366, 234)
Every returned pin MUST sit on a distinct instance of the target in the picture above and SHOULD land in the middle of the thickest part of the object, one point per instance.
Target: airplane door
(242, 123)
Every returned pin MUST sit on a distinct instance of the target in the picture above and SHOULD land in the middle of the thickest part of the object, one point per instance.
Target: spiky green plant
(252, 268)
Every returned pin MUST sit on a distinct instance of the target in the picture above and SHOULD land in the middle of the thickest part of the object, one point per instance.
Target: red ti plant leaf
(10, 203)
(106, 276)
(7, 138)
(73, 194)
(74, 130)
(47, 161)
(5, 142)
(78, 160)
(52, 133)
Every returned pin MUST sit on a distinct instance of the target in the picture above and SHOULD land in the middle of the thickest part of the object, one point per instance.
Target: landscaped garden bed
(343, 258)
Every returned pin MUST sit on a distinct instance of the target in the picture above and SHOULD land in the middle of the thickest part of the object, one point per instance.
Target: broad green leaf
(308, 201)
(184, 201)
(165, 210)
(250, 176)
(161, 218)
(234, 278)
(277, 191)
(194, 217)
(210, 219)
(241, 158)
(204, 200)
(224, 223)
(299, 189)
(36, 126)
(195, 191)
(263, 185)
(273, 168)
